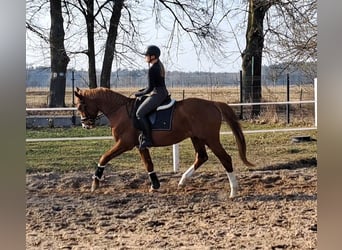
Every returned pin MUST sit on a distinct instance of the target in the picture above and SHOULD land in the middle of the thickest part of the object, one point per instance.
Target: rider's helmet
(152, 50)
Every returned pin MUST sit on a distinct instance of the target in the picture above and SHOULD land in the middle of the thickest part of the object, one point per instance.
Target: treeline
(40, 77)
(275, 75)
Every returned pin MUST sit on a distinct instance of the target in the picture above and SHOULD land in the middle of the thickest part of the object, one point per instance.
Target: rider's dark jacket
(156, 86)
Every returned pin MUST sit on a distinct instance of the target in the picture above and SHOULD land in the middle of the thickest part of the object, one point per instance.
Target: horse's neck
(110, 102)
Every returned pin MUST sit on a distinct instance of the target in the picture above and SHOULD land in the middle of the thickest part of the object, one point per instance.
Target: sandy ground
(276, 209)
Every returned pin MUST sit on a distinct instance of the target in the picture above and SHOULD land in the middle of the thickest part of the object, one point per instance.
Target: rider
(156, 86)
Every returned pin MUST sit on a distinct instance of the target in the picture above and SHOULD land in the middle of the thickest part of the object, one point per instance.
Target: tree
(123, 37)
(252, 55)
(198, 20)
(110, 44)
(118, 24)
(88, 12)
(292, 35)
(291, 31)
(59, 57)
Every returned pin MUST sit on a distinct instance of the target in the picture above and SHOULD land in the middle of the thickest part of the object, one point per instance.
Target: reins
(98, 117)
(130, 110)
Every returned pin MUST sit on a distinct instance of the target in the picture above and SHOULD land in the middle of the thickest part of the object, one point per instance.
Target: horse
(194, 118)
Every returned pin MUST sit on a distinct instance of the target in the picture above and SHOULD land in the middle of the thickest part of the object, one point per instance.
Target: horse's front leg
(146, 158)
(116, 150)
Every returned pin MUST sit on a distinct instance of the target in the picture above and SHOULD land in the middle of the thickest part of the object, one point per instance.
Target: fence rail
(51, 109)
(230, 104)
(111, 137)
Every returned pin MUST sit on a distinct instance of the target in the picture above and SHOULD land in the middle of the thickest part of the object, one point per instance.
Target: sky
(184, 58)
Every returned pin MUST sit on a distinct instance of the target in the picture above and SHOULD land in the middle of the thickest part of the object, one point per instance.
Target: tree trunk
(110, 44)
(91, 44)
(59, 58)
(252, 55)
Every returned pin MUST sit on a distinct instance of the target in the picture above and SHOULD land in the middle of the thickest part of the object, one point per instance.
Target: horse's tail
(230, 117)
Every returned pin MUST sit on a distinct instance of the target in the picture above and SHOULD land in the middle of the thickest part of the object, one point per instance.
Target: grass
(69, 132)
(263, 149)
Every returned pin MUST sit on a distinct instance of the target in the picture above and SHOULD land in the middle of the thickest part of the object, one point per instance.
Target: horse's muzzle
(87, 126)
(88, 123)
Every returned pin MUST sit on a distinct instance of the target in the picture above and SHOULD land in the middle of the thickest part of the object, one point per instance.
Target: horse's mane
(106, 95)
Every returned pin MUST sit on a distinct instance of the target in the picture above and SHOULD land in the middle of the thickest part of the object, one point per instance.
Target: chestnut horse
(193, 117)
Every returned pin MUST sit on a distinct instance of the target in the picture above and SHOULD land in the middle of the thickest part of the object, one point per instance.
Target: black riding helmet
(152, 50)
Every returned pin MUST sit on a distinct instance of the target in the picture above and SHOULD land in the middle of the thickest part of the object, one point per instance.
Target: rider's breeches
(151, 103)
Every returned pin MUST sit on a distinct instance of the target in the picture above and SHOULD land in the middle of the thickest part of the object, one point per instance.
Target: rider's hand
(138, 94)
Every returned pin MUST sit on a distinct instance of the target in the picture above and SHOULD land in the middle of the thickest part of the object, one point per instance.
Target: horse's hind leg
(201, 157)
(226, 161)
(146, 158)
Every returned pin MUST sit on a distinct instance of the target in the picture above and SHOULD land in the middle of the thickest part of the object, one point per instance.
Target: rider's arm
(152, 76)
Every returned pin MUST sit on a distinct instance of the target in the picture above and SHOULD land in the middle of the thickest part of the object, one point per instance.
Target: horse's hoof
(95, 185)
(182, 181)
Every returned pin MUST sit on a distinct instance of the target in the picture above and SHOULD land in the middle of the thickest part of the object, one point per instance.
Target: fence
(274, 105)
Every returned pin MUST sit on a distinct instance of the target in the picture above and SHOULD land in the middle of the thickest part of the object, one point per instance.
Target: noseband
(88, 119)
(91, 120)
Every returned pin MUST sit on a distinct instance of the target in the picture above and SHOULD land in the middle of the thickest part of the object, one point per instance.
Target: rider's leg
(146, 140)
(146, 107)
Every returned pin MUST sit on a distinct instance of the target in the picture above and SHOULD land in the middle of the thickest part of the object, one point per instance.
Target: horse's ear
(78, 93)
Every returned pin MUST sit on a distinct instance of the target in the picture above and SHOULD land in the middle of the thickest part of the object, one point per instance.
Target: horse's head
(87, 109)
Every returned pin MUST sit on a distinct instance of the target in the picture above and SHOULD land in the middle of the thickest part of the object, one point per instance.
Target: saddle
(160, 118)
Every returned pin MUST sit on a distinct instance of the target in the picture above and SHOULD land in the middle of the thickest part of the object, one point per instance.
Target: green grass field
(263, 149)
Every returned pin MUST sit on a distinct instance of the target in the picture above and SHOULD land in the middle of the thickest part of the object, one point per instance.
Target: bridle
(88, 120)
(84, 119)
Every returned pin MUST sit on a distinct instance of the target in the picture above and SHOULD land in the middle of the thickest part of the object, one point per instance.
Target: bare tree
(98, 16)
(252, 55)
(59, 58)
(86, 7)
(113, 29)
(291, 31)
(198, 20)
(294, 36)
(106, 16)
(110, 44)
(286, 25)
(111, 26)
(37, 35)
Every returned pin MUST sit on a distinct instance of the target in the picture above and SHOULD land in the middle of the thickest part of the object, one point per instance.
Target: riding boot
(146, 138)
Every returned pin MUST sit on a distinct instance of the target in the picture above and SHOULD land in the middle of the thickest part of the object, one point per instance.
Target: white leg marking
(233, 184)
(186, 175)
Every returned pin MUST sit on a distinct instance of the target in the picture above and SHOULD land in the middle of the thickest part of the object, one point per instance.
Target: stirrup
(144, 143)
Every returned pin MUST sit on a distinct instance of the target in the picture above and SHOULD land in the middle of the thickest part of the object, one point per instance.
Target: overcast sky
(182, 59)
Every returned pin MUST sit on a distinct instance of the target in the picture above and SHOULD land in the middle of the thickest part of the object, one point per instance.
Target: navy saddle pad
(160, 119)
